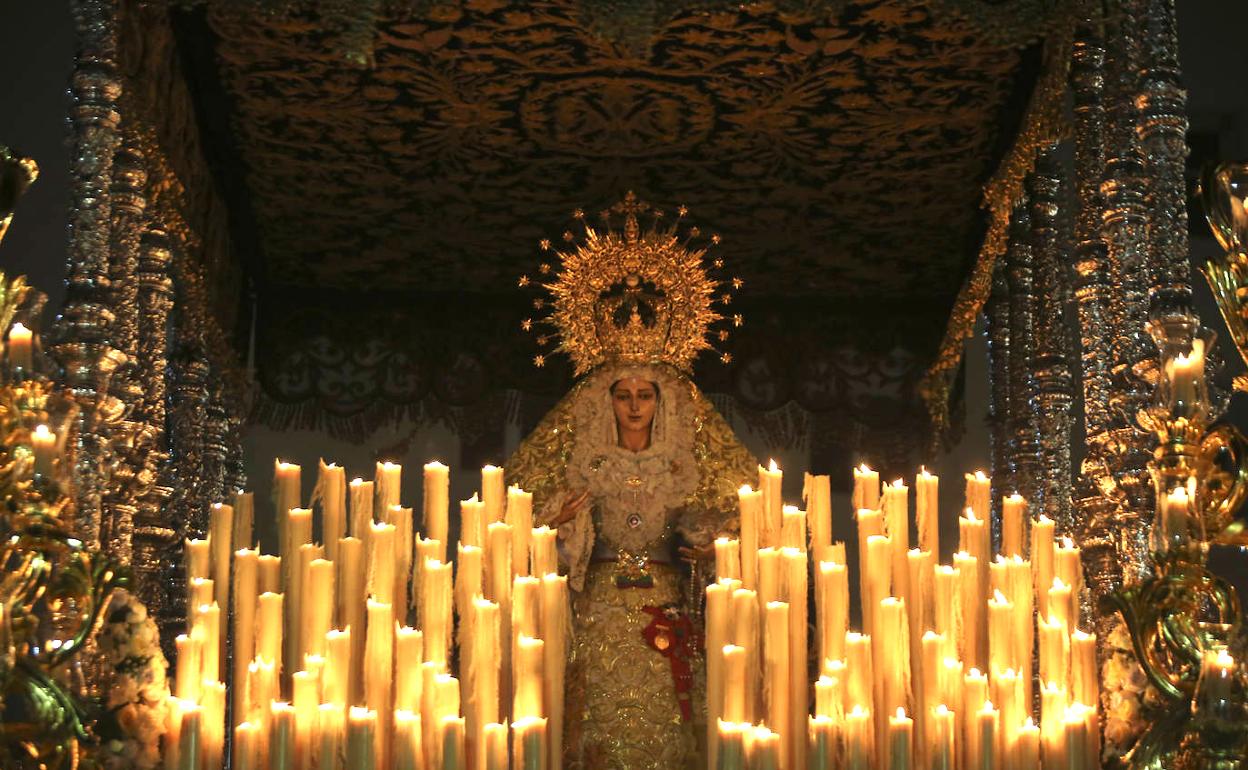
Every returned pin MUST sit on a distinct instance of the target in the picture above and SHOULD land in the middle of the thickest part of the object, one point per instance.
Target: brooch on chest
(632, 570)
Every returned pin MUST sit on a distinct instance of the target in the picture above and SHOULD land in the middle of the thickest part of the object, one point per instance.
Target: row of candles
(940, 673)
(325, 671)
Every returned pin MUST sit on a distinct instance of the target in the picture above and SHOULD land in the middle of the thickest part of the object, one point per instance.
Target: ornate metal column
(129, 202)
(1162, 131)
(154, 538)
(1024, 437)
(1054, 388)
(82, 345)
(1093, 291)
(997, 329)
(1124, 230)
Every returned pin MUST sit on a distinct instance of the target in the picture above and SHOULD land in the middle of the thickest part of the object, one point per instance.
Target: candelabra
(1184, 620)
(52, 587)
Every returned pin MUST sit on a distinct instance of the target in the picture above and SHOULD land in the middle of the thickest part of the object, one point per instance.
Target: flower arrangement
(1126, 694)
(138, 696)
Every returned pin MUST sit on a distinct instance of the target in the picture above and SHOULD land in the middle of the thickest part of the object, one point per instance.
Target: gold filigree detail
(634, 295)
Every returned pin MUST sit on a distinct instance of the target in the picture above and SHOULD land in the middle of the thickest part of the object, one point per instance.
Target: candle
(900, 736)
(870, 570)
(770, 588)
(331, 492)
(824, 738)
(987, 722)
(926, 684)
(919, 565)
(1083, 682)
(437, 495)
(974, 696)
(350, 608)
(492, 494)
(544, 553)
(287, 486)
(43, 443)
(1024, 753)
(426, 550)
(927, 511)
(750, 504)
(1076, 738)
(765, 749)
(318, 616)
(401, 518)
(727, 562)
(732, 744)
(556, 622)
(269, 574)
(297, 530)
(21, 346)
(245, 745)
(361, 494)
(1052, 730)
(859, 739)
(878, 569)
(1054, 651)
(897, 527)
(220, 538)
(979, 495)
(1060, 603)
(770, 482)
(190, 737)
(777, 676)
(262, 690)
(494, 754)
(946, 587)
(336, 679)
(244, 622)
(528, 744)
(795, 565)
(891, 651)
(866, 493)
(732, 663)
(453, 743)
(829, 695)
(408, 648)
(1186, 375)
(331, 727)
(1007, 690)
(793, 530)
(244, 518)
(486, 657)
(212, 699)
(208, 619)
(832, 609)
(187, 679)
(199, 592)
(1042, 567)
(361, 731)
(381, 562)
(408, 743)
(745, 633)
(436, 610)
(1000, 633)
(520, 517)
(972, 647)
(817, 492)
(1069, 568)
(282, 749)
(1013, 516)
(379, 674)
(860, 689)
(388, 485)
(527, 667)
(198, 558)
(941, 730)
(950, 683)
(305, 702)
(472, 522)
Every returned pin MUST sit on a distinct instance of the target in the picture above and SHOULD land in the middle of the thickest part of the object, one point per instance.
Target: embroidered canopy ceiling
(386, 198)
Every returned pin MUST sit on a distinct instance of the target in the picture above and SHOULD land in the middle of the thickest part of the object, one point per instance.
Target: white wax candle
(408, 648)
(437, 495)
(244, 623)
(732, 663)
(388, 485)
(408, 742)
(21, 346)
(900, 737)
(793, 528)
(832, 609)
(1043, 530)
(556, 622)
(282, 751)
(472, 522)
(746, 633)
(520, 516)
(750, 505)
(778, 678)
(336, 681)
(927, 511)
(331, 727)
(859, 739)
(379, 675)
(543, 551)
(770, 482)
(492, 494)
(1013, 517)
(361, 732)
(866, 493)
(817, 491)
(528, 748)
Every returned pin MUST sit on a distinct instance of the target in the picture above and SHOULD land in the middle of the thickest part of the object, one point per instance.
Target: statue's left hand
(705, 552)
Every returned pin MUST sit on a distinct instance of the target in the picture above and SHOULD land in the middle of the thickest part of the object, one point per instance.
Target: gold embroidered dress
(630, 303)
(628, 613)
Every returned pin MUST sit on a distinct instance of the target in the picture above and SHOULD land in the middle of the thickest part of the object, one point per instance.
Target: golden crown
(632, 295)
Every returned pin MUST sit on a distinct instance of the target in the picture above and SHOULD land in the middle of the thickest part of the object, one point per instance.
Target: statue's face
(634, 400)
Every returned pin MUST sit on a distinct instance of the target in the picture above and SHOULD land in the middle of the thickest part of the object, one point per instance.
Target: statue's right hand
(569, 510)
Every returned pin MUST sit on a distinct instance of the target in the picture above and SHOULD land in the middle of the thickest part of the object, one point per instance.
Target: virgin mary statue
(639, 473)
